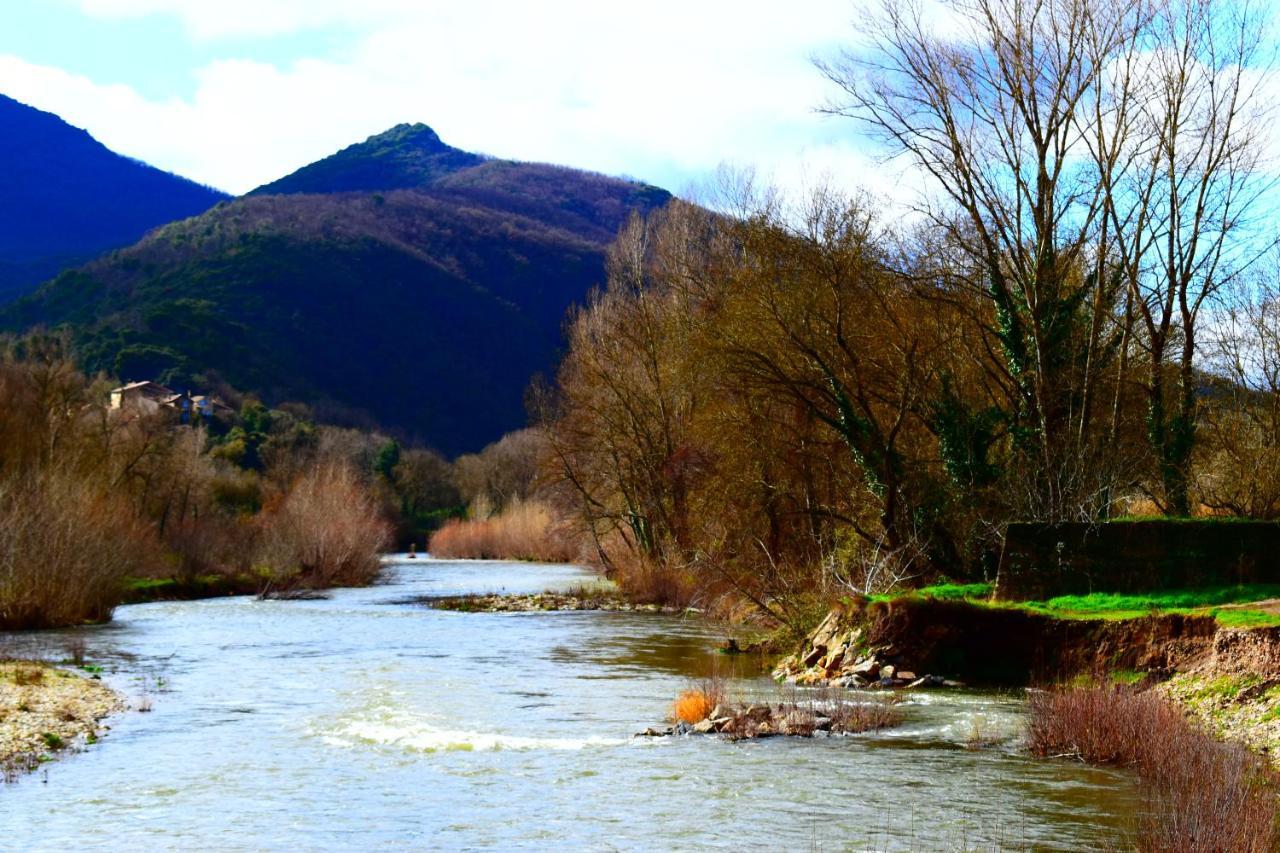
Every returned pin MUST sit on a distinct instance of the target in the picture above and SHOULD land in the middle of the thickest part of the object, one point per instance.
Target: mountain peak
(408, 156)
(417, 135)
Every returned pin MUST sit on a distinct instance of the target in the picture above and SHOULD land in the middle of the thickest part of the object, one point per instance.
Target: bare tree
(995, 116)
(1179, 157)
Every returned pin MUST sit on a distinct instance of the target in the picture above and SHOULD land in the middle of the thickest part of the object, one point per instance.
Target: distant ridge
(400, 282)
(65, 197)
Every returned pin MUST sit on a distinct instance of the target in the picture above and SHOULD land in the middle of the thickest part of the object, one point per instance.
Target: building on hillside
(209, 406)
(144, 397)
(148, 398)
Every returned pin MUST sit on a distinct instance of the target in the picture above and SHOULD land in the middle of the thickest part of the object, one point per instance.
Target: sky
(236, 93)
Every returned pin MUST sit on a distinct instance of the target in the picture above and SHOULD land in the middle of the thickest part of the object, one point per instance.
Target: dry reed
(525, 530)
(1200, 794)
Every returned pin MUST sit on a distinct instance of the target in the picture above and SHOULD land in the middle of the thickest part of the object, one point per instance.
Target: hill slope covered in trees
(400, 282)
(68, 198)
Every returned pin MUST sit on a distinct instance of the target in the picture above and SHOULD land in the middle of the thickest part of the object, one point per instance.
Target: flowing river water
(368, 720)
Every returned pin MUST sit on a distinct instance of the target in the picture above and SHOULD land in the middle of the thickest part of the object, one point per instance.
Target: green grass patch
(1102, 602)
(957, 591)
(1128, 677)
(1246, 618)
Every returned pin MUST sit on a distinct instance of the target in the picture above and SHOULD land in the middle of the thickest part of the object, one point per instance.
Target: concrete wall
(1041, 561)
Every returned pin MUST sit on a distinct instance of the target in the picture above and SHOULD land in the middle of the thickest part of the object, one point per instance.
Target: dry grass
(645, 582)
(692, 706)
(525, 530)
(1201, 795)
(26, 676)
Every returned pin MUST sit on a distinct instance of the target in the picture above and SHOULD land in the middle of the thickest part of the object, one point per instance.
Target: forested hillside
(68, 198)
(401, 283)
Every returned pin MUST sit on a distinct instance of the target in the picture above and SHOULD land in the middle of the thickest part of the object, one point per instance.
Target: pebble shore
(44, 710)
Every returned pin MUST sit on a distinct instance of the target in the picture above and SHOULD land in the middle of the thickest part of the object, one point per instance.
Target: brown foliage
(327, 530)
(523, 531)
(1201, 795)
(66, 547)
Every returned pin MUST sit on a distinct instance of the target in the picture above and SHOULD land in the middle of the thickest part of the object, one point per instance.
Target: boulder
(719, 711)
(867, 667)
(813, 656)
(853, 681)
(905, 675)
(887, 671)
(705, 727)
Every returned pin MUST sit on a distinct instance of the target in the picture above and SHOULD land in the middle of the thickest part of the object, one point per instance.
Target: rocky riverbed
(44, 710)
(544, 602)
(822, 714)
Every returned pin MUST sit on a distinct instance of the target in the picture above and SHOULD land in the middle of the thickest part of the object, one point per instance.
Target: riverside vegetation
(99, 506)
(778, 403)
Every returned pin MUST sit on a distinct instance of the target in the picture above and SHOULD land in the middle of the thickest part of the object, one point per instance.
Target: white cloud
(664, 93)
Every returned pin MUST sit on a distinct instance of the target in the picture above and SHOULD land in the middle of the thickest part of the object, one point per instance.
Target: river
(367, 720)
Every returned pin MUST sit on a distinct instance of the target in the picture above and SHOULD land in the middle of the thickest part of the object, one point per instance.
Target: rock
(919, 682)
(822, 724)
(721, 723)
(652, 732)
(814, 655)
(887, 682)
(853, 681)
(866, 667)
(832, 660)
(682, 728)
(719, 711)
(705, 727)
(887, 671)
(904, 675)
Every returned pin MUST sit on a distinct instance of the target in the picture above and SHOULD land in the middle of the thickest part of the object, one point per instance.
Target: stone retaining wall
(1042, 561)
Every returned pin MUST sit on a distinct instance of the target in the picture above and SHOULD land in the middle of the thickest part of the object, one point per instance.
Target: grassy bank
(1226, 604)
(44, 711)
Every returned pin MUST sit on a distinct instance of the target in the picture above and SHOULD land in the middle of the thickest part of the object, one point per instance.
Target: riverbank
(45, 710)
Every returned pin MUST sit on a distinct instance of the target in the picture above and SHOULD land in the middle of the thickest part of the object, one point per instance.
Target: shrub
(525, 530)
(66, 547)
(326, 531)
(1201, 795)
(693, 706)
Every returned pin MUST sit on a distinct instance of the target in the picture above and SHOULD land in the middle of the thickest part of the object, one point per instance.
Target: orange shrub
(692, 706)
(525, 530)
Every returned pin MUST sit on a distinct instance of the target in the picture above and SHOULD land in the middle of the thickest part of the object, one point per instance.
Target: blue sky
(235, 93)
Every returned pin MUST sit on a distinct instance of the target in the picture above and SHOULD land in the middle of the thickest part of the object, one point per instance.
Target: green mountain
(67, 198)
(400, 282)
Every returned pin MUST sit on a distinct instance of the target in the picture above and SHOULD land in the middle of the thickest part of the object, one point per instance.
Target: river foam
(412, 733)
